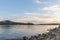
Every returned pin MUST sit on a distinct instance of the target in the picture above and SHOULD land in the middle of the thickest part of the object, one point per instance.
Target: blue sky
(30, 10)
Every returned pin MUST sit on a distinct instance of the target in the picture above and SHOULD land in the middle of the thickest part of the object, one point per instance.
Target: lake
(18, 31)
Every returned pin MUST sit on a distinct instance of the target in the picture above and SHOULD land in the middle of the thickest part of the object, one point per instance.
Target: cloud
(36, 14)
(40, 2)
(54, 10)
(36, 18)
(32, 13)
(1, 18)
(52, 15)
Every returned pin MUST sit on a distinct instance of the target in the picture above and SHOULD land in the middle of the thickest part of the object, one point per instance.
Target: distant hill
(49, 24)
(8, 22)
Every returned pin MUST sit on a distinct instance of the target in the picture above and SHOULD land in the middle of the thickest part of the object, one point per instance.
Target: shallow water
(18, 31)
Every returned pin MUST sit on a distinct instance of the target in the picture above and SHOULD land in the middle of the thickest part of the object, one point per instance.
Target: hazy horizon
(35, 11)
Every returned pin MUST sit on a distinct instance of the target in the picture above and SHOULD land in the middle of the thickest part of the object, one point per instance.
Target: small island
(8, 22)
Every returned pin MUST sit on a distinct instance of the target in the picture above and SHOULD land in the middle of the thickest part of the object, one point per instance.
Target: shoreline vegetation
(8, 22)
(52, 34)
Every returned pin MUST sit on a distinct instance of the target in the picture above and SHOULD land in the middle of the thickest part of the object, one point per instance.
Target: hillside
(8, 22)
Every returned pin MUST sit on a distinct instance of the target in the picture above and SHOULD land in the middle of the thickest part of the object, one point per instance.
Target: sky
(35, 11)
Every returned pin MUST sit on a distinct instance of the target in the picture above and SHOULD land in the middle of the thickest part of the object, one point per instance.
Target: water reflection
(18, 31)
(6, 29)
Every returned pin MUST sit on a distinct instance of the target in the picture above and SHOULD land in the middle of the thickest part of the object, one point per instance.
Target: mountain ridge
(8, 22)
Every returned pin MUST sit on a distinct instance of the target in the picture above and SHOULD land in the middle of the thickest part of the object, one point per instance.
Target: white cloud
(40, 2)
(31, 17)
(36, 20)
(52, 15)
(32, 13)
(53, 8)
(54, 11)
(1, 18)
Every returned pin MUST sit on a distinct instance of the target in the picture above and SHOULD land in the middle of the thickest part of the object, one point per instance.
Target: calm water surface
(18, 31)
